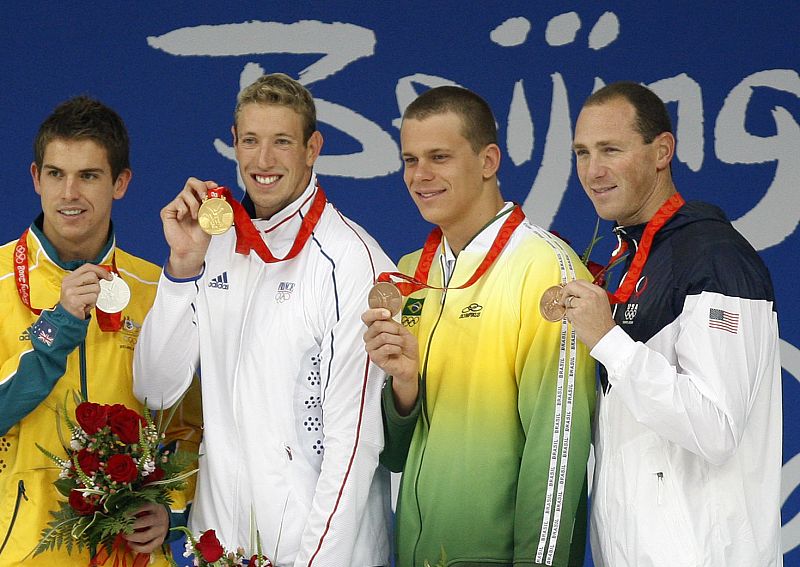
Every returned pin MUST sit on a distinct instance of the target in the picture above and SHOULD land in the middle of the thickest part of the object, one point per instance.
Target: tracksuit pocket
(17, 503)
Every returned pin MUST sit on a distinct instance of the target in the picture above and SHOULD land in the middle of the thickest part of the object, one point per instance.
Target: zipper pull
(288, 451)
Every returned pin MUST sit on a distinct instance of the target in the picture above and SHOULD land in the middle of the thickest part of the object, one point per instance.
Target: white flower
(148, 467)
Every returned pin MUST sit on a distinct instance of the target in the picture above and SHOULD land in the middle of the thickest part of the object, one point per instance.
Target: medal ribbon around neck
(664, 213)
(420, 279)
(248, 237)
(108, 322)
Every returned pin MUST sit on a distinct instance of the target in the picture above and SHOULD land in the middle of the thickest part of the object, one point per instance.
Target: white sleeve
(352, 425)
(167, 352)
(701, 400)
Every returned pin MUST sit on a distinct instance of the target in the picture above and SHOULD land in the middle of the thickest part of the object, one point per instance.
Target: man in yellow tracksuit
(489, 406)
(52, 340)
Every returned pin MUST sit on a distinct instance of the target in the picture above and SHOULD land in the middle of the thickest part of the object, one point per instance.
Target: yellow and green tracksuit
(43, 359)
(494, 454)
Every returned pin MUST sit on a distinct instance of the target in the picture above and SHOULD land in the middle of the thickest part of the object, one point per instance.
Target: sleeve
(28, 377)
(352, 426)
(398, 429)
(167, 353)
(725, 349)
(556, 379)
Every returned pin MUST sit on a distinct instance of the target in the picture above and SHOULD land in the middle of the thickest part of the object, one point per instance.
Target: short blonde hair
(281, 90)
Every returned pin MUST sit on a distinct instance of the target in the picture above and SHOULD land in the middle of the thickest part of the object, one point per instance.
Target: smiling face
(77, 190)
(274, 162)
(452, 186)
(626, 179)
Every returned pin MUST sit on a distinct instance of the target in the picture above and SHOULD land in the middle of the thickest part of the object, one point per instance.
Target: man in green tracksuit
(488, 408)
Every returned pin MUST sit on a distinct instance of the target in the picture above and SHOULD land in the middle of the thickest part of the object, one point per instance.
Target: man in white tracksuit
(688, 433)
(291, 403)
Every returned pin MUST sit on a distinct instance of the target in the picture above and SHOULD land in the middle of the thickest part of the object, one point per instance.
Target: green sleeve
(556, 406)
(398, 429)
(28, 378)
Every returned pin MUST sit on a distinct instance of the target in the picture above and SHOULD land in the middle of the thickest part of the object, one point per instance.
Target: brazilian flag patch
(413, 307)
(411, 311)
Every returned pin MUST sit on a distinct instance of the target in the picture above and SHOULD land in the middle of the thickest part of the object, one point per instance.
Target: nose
(422, 171)
(594, 167)
(265, 155)
(70, 188)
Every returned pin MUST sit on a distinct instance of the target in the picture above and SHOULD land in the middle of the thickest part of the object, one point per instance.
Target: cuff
(390, 409)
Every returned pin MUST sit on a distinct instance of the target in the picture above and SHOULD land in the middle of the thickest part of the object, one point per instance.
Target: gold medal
(549, 305)
(387, 296)
(215, 216)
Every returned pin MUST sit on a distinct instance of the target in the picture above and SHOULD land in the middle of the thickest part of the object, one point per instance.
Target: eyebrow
(84, 170)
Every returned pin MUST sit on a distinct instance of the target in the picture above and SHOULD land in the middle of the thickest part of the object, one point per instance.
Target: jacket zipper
(82, 358)
(660, 476)
(20, 495)
(423, 393)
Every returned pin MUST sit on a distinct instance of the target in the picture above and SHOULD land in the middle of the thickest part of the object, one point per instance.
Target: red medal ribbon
(420, 279)
(666, 212)
(108, 322)
(248, 237)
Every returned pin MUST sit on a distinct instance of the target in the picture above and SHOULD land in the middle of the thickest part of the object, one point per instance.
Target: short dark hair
(478, 125)
(281, 90)
(651, 118)
(83, 118)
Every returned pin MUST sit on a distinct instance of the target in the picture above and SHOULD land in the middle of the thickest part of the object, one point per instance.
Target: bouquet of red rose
(208, 552)
(115, 463)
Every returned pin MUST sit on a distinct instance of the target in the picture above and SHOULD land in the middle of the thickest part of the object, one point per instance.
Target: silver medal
(114, 295)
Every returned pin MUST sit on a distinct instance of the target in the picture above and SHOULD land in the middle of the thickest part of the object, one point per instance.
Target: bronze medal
(549, 305)
(387, 296)
(215, 216)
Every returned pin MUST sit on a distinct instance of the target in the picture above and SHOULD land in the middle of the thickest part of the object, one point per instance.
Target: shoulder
(342, 239)
(137, 268)
(709, 254)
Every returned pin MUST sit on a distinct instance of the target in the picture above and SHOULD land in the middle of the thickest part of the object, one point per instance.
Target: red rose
(209, 546)
(121, 468)
(91, 417)
(115, 409)
(89, 461)
(154, 476)
(82, 506)
(125, 424)
(265, 562)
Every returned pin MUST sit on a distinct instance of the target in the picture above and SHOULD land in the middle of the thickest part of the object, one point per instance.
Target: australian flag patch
(44, 332)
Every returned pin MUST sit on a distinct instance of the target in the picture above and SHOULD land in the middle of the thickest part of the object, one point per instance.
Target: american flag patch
(723, 320)
(45, 332)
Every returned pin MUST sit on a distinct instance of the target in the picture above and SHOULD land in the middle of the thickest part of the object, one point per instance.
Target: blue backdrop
(172, 70)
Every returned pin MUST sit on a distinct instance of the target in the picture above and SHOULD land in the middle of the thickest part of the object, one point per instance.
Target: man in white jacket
(688, 433)
(269, 315)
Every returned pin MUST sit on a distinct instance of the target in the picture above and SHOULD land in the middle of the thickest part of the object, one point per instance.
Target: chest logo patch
(470, 311)
(284, 293)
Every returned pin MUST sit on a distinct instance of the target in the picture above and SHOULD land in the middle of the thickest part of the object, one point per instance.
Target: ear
(35, 173)
(313, 148)
(491, 160)
(664, 145)
(233, 133)
(121, 184)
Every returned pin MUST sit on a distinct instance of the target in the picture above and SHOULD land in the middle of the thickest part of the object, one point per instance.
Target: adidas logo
(220, 282)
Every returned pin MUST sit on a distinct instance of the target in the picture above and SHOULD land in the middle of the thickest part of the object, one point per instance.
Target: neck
(460, 234)
(69, 251)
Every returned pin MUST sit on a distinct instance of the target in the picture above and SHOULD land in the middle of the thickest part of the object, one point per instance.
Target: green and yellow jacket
(494, 454)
